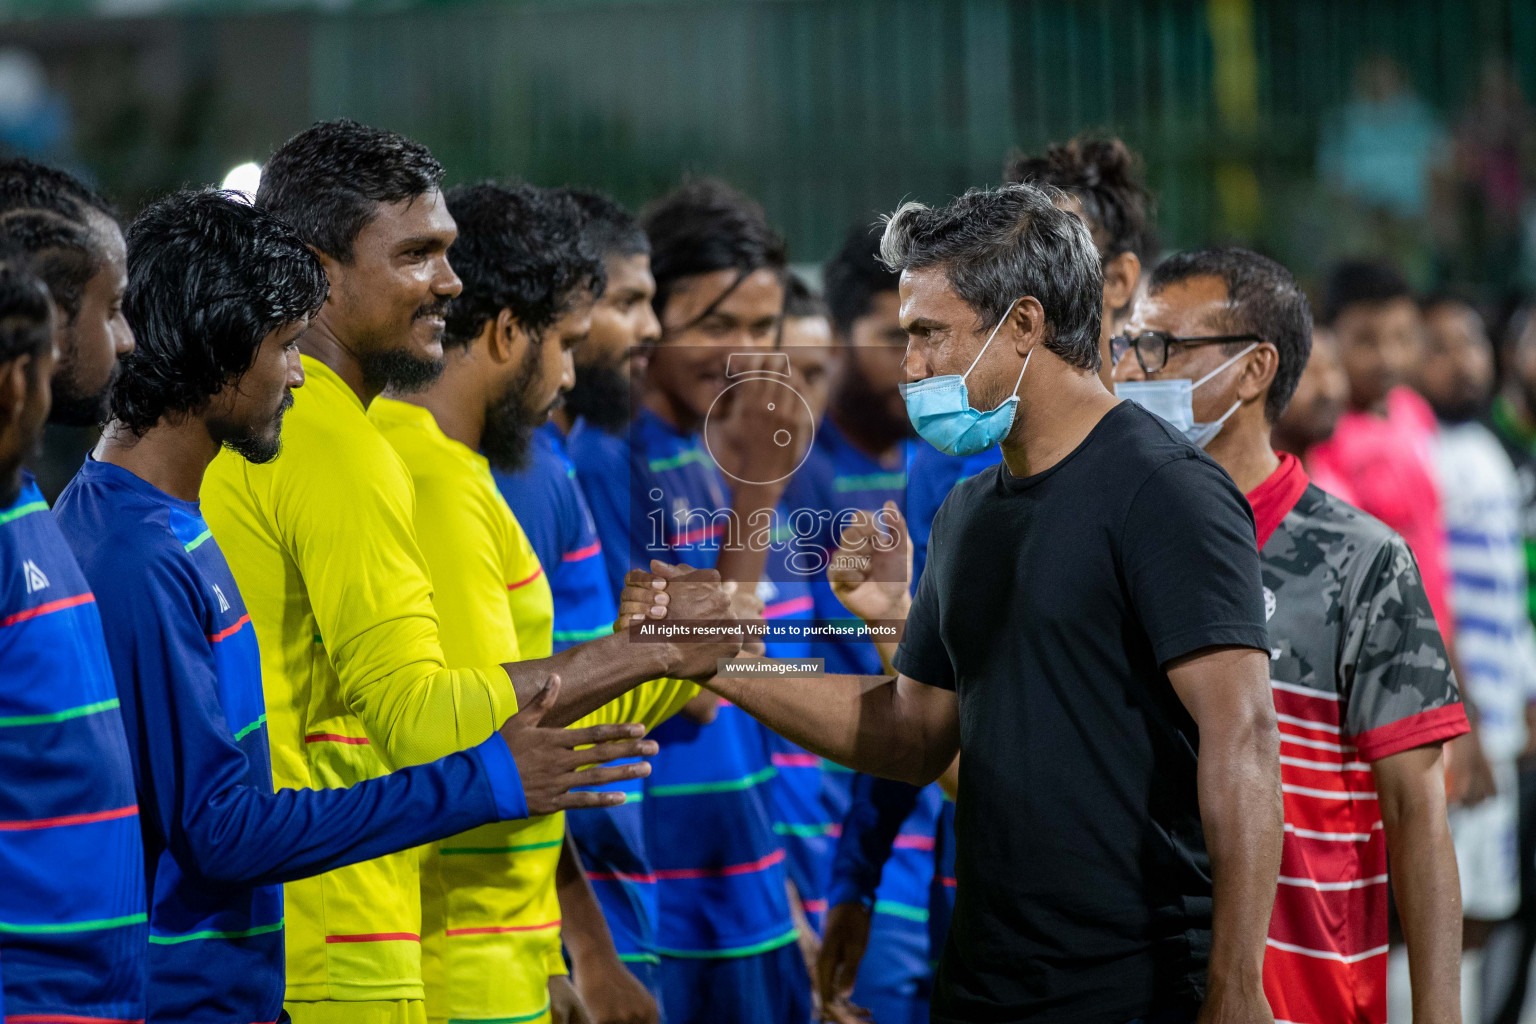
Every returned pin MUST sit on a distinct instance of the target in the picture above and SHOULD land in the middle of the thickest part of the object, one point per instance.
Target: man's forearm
(584, 931)
(591, 674)
(1243, 816)
(861, 722)
(1424, 882)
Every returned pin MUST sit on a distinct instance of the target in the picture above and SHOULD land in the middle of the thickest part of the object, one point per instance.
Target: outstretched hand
(550, 765)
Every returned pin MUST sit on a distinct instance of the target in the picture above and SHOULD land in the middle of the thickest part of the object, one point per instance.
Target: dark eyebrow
(422, 242)
(922, 321)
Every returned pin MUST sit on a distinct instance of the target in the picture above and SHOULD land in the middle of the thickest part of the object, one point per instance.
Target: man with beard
(551, 505)
(544, 493)
(1315, 408)
(1481, 498)
(218, 295)
(324, 543)
(88, 286)
(492, 913)
(72, 924)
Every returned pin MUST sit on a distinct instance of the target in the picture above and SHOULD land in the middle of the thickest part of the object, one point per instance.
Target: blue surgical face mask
(1174, 399)
(940, 408)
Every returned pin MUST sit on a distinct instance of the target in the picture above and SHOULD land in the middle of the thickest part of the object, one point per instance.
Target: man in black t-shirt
(1091, 617)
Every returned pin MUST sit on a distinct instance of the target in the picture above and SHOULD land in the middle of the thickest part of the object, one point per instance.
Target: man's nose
(913, 366)
(446, 283)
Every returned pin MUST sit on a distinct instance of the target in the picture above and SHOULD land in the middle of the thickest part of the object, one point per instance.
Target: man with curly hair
(493, 914)
(219, 293)
(326, 545)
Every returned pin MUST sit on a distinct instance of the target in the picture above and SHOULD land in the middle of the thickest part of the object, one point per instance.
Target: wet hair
(609, 229)
(853, 278)
(800, 300)
(996, 246)
(59, 250)
(1262, 298)
(1105, 176)
(27, 185)
(1362, 281)
(24, 326)
(703, 227)
(519, 248)
(328, 181)
(209, 276)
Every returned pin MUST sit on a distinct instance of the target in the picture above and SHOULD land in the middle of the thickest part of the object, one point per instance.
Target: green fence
(829, 111)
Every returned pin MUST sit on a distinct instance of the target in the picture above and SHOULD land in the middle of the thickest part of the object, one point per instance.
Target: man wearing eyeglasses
(1363, 689)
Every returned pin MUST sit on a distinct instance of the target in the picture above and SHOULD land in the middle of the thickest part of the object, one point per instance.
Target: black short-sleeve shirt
(1050, 604)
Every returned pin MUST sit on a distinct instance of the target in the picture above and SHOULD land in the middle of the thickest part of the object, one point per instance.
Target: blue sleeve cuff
(850, 890)
(506, 784)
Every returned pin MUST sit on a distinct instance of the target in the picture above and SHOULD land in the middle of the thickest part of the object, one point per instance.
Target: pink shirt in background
(1385, 465)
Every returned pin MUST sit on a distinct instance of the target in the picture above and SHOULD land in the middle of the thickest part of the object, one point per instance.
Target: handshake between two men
(708, 620)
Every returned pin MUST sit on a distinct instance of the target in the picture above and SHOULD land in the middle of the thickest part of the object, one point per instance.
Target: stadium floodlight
(243, 179)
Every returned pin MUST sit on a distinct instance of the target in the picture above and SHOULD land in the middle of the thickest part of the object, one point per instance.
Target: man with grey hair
(1089, 621)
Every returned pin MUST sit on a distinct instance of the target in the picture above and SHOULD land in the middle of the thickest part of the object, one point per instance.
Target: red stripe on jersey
(1433, 726)
(725, 871)
(1340, 923)
(913, 841)
(786, 760)
(1333, 814)
(70, 819)
(67, 1018)
(332, 737)
(581, 554)
(1309, 990)
(47, 609)
(527, 580)
(228, 631)
(1306, 708)
(504, 929)
(376, 937)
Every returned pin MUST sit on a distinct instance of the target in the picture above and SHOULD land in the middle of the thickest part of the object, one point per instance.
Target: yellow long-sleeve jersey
(491, 935)
(322, 541)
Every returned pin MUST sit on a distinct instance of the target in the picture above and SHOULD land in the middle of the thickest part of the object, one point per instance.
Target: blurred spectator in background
(1383, 451)
(1382, 447)
(1512, 419)
(1382, 147)
(1322, 395)
(1497, 651)
(1494, 144)
(1383, 150)
(34, 120)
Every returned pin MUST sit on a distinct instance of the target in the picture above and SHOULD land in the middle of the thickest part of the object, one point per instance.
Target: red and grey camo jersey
(1359, 672)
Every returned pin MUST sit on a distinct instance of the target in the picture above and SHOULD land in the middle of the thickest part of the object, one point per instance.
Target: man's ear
(13, 389)
(1258, 372)
(1121, 276)
(1029, 316)
(507, 341)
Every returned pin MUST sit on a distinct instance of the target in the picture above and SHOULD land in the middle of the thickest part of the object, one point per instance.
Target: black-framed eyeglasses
(1152, 346)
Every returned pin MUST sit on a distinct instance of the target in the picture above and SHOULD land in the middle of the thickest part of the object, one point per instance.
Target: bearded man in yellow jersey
(491, 945)
(323, 543)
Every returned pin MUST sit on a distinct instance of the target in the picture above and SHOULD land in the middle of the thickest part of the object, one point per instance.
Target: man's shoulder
(114, 529)
(1133, 446)
(1345, 537)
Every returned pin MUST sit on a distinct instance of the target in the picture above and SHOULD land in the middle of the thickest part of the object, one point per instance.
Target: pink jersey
(1385, 466)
